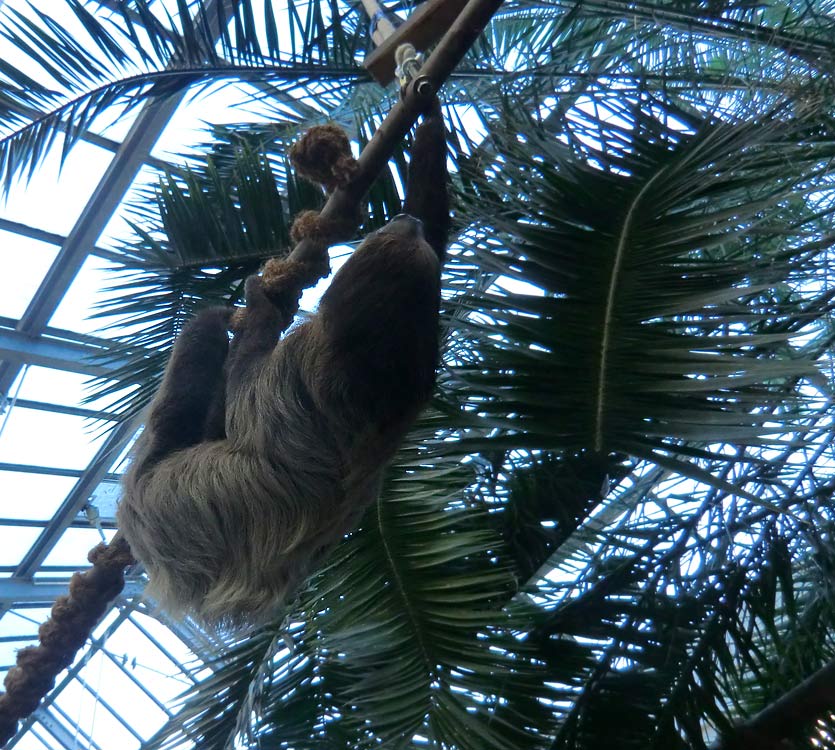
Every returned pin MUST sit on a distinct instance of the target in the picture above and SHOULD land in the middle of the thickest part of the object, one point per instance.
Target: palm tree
(613, 527)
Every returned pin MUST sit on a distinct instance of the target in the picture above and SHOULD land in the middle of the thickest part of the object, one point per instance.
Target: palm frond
(197, 236)
(660, 285)
(614, 530)
(691, 611)
(81, 78)
(401, 634)
(212, 709)
(219, 221)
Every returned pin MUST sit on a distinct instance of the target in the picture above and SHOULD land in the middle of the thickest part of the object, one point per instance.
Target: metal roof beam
(66, 570)
(196, 640)
(71, 356)
(57, 730)
(33, 233)
(70, 411)
(69, 675)
(107, 196)
(190, 673)
(15, 590)
(49, 471)
(144, 133)
(78, 496)
(109, 193)
(62, 333)
(120, 665)
(28, 523)
(108, 144)
(112, 711)
(52, 471)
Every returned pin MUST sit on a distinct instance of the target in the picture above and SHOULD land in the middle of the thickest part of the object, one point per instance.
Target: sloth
(261, 453)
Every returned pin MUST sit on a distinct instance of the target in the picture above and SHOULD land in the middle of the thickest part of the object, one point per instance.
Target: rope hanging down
(68, 627)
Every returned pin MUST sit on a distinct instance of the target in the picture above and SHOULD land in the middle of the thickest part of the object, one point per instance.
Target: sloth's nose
(405, 225)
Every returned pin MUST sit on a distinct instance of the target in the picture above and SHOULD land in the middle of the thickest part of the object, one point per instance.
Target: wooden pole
(814, 698)
(343, 202)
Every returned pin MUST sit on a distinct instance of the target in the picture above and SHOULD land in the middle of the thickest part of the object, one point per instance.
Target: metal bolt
(424, 87)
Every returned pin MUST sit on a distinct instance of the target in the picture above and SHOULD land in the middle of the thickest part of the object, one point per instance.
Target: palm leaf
(663, 597)
(420, 646)
(682, 630)
(660, 308)
(219, 222)
(211, 710)
(81, 77)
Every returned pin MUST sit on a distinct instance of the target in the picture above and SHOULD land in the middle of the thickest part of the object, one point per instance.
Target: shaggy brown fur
(227, 528)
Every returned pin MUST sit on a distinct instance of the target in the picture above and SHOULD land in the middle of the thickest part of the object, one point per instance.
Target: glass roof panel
(73, 546)
(39, 438)
(86, 712)
(15, 542)
(115, 129)
(120, 464)
(218, 104)
(62, 14)
(142, 664)
(166, 687)
(54, 387)
(32, 496)
(74, 312)
(169, 664)
(117, 228)
(146, 661)
(18, 622)
(123, 695)
(31, 742)
(164, 639)
(56, 194)
(8, 649)
(140, 652)
(30, 260)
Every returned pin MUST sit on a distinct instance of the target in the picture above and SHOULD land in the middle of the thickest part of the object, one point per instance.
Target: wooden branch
(343, 202)
(799, 708)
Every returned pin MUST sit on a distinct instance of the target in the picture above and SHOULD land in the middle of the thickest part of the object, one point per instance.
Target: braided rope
(71, 620)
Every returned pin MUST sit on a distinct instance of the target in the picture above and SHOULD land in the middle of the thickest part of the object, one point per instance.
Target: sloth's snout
(405, 225)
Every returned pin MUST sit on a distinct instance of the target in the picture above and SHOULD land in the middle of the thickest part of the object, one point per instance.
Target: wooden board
(422, 29)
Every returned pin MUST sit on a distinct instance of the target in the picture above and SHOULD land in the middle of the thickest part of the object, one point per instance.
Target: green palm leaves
(614, 527)
(663, 306)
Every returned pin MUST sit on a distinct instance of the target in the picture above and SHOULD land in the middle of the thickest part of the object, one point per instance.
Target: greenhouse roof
(616, 526)
(61, 458)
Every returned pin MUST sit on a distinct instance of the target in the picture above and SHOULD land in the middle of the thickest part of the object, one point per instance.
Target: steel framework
(31, 586)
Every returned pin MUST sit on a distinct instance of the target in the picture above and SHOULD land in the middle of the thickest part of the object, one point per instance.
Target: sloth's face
(404, 225)
(404, 230)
